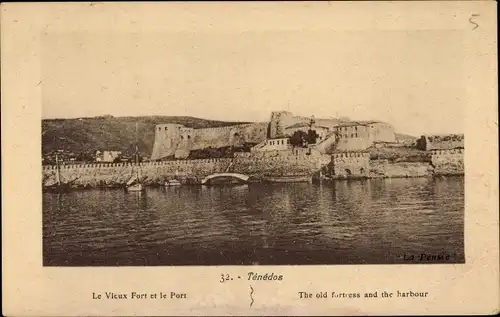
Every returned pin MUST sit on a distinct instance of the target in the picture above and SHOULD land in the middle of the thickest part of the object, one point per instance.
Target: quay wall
(358, 164)
(188, 171)
(292, 162)
(279, 163)
(94, 175)
(386, 169)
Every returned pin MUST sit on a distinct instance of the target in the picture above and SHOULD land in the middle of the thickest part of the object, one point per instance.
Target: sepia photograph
(303, 147)
(250, 158)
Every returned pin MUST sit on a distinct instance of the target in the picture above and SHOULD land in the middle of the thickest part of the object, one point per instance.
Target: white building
(107, 156)
(275, 144)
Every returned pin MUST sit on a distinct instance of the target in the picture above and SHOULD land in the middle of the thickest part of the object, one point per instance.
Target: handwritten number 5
(473, 22)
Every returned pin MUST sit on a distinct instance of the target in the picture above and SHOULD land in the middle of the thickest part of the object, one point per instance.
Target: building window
(189, 137)
(165, 128)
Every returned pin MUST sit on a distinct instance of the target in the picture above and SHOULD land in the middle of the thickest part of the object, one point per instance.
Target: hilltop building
(361, 135)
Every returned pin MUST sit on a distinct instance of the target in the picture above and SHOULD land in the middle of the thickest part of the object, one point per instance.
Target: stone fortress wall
(351, 164)
(340, 134)
(360, 135)
(280, 120)
(358, 164)
(448, 162)
(94, 175)
(273, 163)
(177, 140)
(349, 158)
(188, 171)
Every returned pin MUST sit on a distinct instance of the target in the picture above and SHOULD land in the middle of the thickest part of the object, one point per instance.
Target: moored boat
(287, 179)
(135, 187)
(57, 188)
(172, 182)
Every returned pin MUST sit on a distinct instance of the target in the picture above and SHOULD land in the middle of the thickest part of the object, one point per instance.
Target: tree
(299, 139)
(312, 136)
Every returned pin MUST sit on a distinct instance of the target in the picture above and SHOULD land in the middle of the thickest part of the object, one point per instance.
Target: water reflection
(348, 222)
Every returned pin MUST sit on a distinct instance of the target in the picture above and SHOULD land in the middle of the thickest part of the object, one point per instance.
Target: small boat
(173, 182)
(135, 188)
(134, 184)
(57, 188)
(288, 179)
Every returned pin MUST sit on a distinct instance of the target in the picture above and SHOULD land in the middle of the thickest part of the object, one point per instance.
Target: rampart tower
(279, 121)
(167, 139)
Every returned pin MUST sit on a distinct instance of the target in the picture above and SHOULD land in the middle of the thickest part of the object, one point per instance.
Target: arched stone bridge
(216, 175)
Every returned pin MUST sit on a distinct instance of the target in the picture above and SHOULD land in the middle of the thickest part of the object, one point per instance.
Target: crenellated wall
(293, 162)
(448, 162)
(266, 164)
(94, 175)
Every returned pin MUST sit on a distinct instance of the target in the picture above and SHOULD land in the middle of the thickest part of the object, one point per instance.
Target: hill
(87, 135)
(406, 139)
(402, 136)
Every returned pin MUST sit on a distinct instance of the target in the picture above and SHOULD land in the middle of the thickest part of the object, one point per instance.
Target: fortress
(342, 150)
(177, 140)
(335, 134)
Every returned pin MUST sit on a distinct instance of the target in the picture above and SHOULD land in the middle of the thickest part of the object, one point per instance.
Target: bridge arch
(216, 175)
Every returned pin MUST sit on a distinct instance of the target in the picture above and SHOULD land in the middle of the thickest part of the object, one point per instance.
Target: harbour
(346, 222)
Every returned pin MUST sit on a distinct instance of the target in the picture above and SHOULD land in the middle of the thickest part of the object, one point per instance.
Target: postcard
(268, 158)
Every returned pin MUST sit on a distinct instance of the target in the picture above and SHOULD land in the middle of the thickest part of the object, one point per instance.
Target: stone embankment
(272, 164)
(359, 165)
(155, 173)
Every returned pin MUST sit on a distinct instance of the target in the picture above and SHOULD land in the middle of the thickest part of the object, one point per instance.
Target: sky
(411, 79)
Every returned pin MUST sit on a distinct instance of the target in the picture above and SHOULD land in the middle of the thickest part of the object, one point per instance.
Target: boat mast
(136, 152)
(58, 176)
